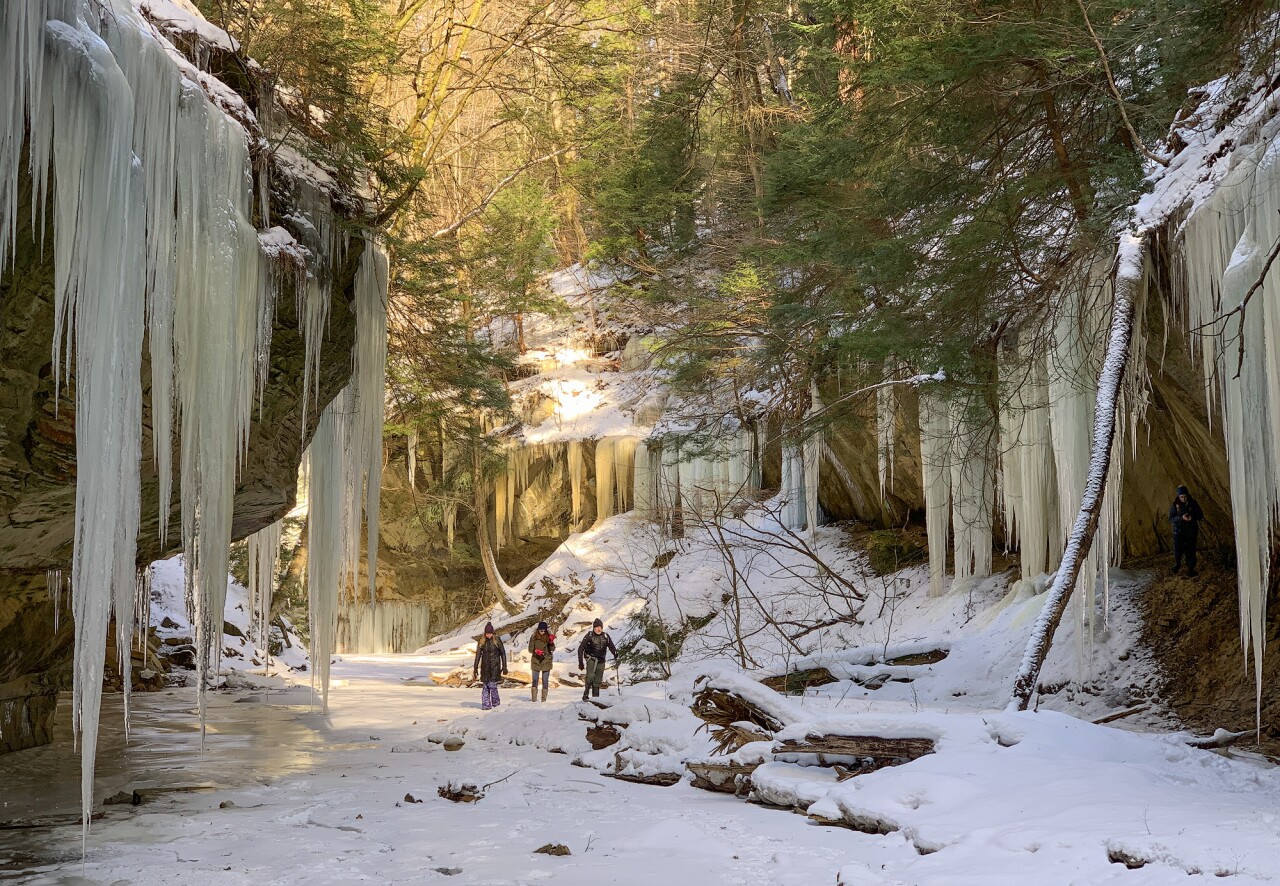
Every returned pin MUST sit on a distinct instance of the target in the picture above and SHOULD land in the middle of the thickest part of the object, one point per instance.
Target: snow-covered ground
(1007, 799)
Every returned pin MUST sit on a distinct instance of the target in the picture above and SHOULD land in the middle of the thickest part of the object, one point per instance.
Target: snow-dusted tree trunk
(1128, 280)
(502, 591)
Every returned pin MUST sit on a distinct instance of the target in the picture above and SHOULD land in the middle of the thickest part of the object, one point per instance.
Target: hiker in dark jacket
(1185, 516)
(594, 648)
(542, 645)
(490, 666)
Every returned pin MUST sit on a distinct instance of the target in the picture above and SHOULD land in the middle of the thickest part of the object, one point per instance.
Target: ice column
(971, 490)
(264, 559)
(577, 479)
(935, 437)
(370, 381)
(325, 531)
(605, 486)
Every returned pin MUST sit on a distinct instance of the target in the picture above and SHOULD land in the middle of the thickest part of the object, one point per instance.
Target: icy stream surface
(298, 784)
(285, 795)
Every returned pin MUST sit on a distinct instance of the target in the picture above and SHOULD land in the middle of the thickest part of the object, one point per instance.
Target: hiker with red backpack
(542, 645)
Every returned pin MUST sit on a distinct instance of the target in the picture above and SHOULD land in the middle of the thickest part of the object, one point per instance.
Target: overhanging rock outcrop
(38, 416)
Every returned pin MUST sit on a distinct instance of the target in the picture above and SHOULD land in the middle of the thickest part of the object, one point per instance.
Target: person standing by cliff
(490, 666)
(1185, 516)
(594, 648)
(542, 645)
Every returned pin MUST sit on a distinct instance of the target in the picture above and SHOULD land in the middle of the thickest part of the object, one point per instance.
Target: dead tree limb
(1128, 277)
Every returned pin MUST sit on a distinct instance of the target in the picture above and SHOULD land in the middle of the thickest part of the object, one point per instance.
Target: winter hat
(1182, 490)
(597, 624)
(542, 626)
(488, 627)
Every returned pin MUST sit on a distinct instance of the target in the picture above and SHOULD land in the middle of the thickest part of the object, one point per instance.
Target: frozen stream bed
(299, 784)
(284, 795)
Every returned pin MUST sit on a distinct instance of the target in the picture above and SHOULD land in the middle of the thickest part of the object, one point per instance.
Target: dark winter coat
(491, 661)
(541, 649)
(1185, 528)
(596, 646)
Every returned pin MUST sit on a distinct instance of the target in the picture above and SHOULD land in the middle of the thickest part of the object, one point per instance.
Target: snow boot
(595, 690)
(533, 693)
(544, 691)
(585, 690)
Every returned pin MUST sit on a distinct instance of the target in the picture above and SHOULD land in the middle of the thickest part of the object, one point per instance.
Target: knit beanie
(597, 624)
(488, 627)
(542, 626)
(1182, 490)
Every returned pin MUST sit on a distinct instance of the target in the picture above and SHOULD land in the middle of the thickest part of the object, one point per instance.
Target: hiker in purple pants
(489, 667)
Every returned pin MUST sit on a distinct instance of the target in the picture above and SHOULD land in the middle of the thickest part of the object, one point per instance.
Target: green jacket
(545, 645)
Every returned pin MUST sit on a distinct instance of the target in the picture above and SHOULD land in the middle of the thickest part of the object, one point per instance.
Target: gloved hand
(504, 673)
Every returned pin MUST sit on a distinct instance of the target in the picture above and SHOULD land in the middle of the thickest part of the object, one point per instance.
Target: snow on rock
(239, 651)
(182, 17)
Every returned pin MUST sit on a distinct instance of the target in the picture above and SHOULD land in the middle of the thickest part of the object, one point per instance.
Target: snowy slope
(240, 654)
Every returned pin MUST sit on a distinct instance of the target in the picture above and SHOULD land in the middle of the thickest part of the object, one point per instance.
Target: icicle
(502, 508)
(54, 584)
(264, 559)
(792, 491)
(411, 451)
(812, 464)
(577, 479)
(64, 80)
(668, 494)
(624, 454)
(1012, 419)
(605, 486)
(935, 437)
(370, 379)
(142, 610)
(219, 283)
(1029, 464)
(970, 490)
(325, 531)
(1245, 207)
(643, 481)
(318, 233)
(886, 414)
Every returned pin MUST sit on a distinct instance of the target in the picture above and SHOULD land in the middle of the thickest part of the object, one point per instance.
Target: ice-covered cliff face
(157, 328)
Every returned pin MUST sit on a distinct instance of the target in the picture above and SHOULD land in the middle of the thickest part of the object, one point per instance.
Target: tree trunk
(1128, 278)
(500, 589)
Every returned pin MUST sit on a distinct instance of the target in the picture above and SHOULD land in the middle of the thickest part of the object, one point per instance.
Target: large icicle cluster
(393, 626)
(345, 473)
(152, 205)
(1227, 241)
(1042, 438)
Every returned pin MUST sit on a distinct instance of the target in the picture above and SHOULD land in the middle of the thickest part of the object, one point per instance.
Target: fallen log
(1221, 739)
(933, 656)
(724, 777)
(1120, 715)
(798, 681)
(855, 754)
(658, 779)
